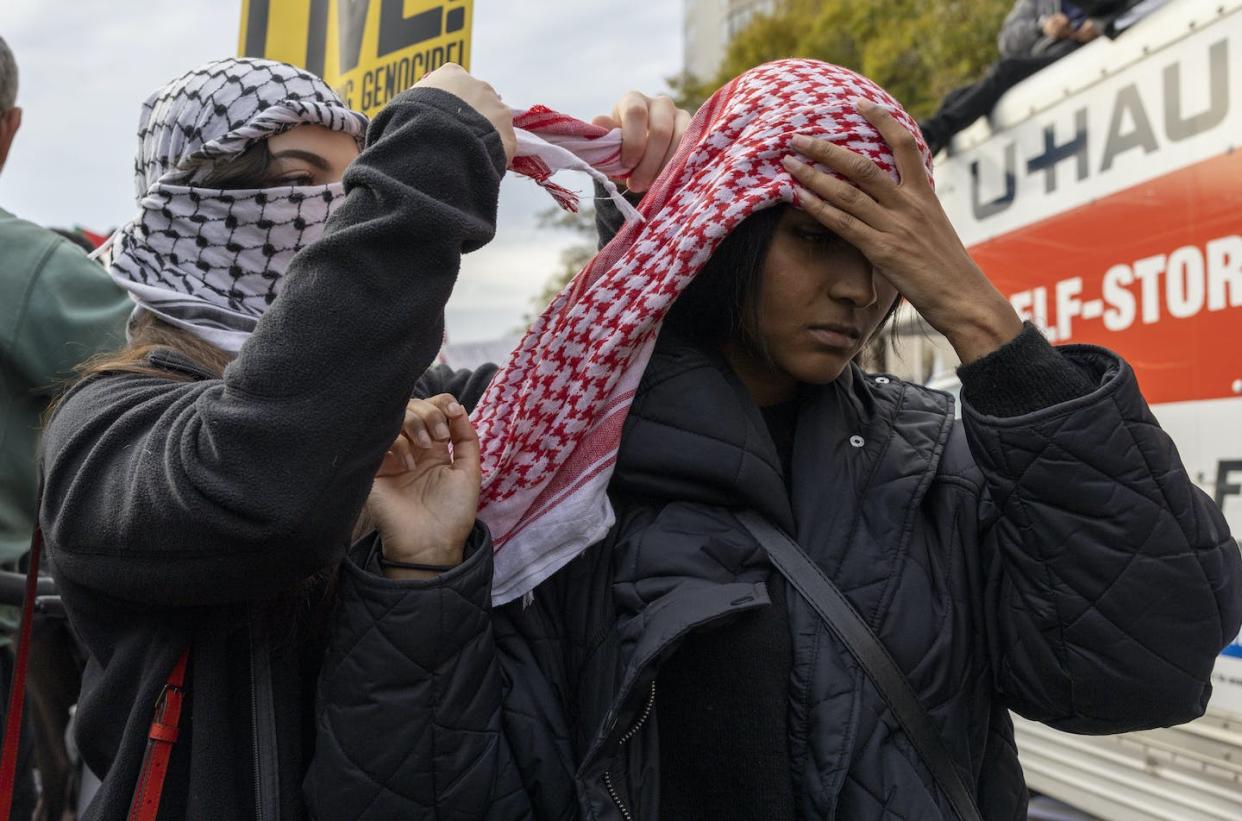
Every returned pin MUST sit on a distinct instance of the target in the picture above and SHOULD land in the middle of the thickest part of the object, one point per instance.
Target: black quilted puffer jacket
(1057, 563)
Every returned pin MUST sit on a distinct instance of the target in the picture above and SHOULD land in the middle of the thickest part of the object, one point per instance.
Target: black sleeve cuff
(365, 554)
(449, 104)
(1022, 376)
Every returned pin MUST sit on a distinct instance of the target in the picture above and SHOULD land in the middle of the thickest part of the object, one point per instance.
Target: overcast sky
(85, 69)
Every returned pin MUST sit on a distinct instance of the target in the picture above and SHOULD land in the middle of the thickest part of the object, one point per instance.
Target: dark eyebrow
(802, 218)
(298, 154)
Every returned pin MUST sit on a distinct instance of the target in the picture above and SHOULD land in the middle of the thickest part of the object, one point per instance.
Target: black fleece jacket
(179, 512)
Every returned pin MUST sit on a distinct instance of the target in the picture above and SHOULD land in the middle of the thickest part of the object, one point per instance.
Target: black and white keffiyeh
(209, 260)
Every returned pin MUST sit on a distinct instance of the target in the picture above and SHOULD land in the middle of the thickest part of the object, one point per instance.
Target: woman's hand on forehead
(903, 230)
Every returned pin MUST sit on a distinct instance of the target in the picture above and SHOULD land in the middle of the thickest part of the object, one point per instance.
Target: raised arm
(1113, 581)
(193, 493)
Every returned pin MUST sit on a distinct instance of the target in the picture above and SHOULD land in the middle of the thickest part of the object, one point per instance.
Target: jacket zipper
(178, 363)
(254, 737)
(630, 733)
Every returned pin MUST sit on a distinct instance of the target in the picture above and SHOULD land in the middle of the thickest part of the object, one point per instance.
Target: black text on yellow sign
(368, 50)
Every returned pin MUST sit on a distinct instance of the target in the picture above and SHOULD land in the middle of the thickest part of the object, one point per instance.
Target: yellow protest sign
(368, 50)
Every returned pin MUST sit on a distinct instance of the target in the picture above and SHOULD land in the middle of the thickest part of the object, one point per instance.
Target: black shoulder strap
(858, 638)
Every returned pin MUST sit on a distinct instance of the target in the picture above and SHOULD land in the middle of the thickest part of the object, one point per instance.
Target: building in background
(708, 26)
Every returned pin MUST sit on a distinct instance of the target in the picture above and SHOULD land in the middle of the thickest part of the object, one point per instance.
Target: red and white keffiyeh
(550, 423)
(548, 141)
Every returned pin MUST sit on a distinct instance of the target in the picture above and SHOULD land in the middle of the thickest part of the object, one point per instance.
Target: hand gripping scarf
(212, 261)
(551, 421)
(208, 260)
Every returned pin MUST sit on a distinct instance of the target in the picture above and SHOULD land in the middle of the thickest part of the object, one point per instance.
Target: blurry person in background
(57, 308)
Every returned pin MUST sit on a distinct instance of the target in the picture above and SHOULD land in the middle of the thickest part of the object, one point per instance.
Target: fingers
(430, 427)
(840, 193)
(856, 168)
(661, 127)
(631, 114)
(466, 451)
(683, 123)
(1061, 27)
(425, 424)
(651, 130)
(845, 225)
(478, 95)
(862, 171)
(433, 416)
(1086, 32)
(399, 459)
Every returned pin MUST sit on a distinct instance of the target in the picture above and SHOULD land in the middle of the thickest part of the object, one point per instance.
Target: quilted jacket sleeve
(1112, 581)
(423, 712)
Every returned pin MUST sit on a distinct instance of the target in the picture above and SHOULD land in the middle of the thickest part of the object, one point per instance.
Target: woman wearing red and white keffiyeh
(689, 407)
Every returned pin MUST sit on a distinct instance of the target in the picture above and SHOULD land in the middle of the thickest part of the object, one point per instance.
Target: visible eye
(818, 237)
(297, 178)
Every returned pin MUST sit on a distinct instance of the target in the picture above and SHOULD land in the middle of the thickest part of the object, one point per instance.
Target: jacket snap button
(857, 441)
(882, 380)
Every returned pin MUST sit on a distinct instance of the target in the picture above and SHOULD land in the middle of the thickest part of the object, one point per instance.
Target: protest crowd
(679, 556)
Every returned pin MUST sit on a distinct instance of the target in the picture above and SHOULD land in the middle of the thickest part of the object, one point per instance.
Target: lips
(833, 335)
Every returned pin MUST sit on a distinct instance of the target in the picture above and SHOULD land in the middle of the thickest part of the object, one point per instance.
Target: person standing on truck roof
(1036, 34)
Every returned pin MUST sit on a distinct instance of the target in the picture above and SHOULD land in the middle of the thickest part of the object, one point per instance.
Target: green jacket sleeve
(73, 310)
(58, 308)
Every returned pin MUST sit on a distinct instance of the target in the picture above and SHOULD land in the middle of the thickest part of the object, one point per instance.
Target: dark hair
(148, 333)
(248, 169)
(297, 614)
(723, 300)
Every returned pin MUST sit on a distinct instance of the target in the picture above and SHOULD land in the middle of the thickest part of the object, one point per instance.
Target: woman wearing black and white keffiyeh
(186, 504)
(202, 484)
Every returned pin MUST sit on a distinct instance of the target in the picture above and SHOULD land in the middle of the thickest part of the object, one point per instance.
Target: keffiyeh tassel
(548, 141)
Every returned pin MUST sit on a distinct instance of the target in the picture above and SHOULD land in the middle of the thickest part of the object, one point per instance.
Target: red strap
(162, 732)
(160, 740)
(165, 725)
(17, 688)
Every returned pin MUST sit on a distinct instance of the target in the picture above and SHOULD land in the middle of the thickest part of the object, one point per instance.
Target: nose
(852, 281)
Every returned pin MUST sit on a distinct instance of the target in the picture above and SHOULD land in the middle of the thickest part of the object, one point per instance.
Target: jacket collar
(693, 433)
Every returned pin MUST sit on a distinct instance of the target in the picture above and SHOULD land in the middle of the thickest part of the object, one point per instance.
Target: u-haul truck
(1104, 198)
